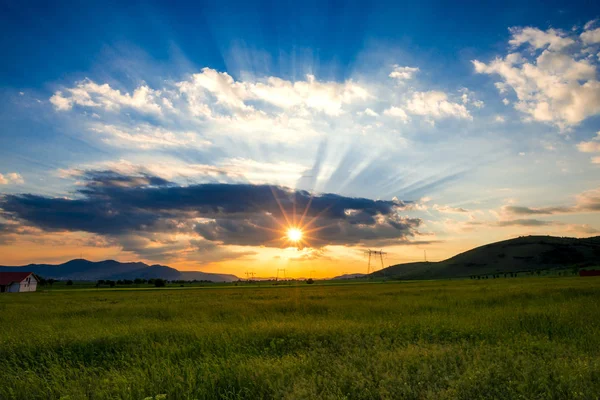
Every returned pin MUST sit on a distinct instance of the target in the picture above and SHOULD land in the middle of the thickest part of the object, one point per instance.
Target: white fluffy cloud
(145, 136)
(591, 36)
(11, 178)
(435, 104)
(232, 95)
(397, 112)
(592, 146)
(225, 171)
(554, 78)
(401, 74)
(209, 106)
(89, 94)
(537, 39)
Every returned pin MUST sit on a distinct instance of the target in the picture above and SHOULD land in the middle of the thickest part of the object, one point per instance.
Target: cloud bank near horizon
(129, 208)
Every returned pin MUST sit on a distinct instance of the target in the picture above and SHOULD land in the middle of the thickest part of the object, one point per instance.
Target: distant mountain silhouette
(527, 253)
(349, 276)
(84, 270)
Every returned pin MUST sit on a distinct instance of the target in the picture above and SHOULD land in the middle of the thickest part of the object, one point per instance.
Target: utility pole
(374, 253)
(280, 269)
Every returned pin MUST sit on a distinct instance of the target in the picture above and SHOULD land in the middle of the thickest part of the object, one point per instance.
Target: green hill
(527, 253)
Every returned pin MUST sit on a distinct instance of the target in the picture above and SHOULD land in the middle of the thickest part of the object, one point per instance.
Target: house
(13, 282)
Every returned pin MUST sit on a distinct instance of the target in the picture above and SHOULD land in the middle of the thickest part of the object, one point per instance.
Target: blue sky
(478, 120)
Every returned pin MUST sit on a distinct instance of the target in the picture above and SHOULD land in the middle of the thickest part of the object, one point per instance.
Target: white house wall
(23, 286)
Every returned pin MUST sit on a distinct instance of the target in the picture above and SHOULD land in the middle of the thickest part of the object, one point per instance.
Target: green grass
(533, 338)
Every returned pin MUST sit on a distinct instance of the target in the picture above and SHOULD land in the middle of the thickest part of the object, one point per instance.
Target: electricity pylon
(280, 269)
(250, 275)
(375, 253)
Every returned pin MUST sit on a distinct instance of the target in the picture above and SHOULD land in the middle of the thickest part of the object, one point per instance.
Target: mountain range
(526, 253)
(84, 270)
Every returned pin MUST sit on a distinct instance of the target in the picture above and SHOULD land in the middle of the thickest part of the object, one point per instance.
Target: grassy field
(530, 338)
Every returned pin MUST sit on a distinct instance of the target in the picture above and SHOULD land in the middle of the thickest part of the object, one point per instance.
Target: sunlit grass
(507, 338)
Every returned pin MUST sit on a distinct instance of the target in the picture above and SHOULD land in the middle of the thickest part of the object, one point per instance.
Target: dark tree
(310, 281)
(160, 283)
(69, 283)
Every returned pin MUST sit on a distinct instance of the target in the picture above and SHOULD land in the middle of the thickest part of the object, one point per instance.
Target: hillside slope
(84, 270)
(527, 253)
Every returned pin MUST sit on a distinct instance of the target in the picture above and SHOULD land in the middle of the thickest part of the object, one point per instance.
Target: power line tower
(283, 270)
(250, 275)
(311, 273)
(374, 253)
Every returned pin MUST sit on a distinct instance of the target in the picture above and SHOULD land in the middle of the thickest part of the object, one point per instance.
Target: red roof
(6, 278)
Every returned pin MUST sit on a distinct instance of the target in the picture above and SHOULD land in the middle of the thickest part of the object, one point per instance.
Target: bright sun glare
(294, 234)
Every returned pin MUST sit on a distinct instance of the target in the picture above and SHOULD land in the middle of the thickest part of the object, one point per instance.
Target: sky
(195, 135)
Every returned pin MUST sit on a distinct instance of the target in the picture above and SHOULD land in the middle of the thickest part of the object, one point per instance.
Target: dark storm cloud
(113, 204)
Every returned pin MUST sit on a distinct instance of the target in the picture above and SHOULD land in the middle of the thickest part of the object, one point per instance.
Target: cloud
(228, 170)
(211, 91)
(588, 201)
(310, 255)
(449, 209)
(90, 94)
(435, 104)
(591, 36)
(370, 113)
(592, 146)
(401, 74)
(537, 39)
(397, 112)
(144, 208)
(468, 97)
(212, 107)
(525, 222)
(11, 178)
(520, 210)
(145, 136)
(554, 80)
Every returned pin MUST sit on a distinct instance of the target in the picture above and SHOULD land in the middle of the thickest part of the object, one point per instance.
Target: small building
(14, 282)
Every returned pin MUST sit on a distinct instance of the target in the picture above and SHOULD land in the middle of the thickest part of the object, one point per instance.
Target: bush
(310, 281)
(69, 283)
(160, 283)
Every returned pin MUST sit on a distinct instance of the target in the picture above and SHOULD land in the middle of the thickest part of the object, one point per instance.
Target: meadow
(521, 338)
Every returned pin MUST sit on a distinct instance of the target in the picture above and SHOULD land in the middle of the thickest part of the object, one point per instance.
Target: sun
(294, 234)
